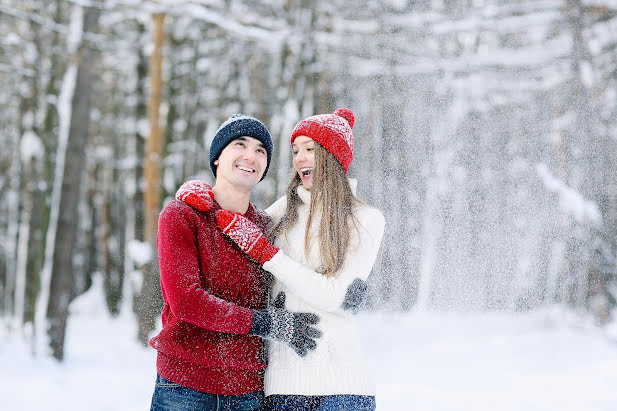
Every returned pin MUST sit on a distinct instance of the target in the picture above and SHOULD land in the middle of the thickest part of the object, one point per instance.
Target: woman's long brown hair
(333, 200)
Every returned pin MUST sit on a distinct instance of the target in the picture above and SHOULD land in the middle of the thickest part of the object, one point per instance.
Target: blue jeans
(320, 403)
(169, 396)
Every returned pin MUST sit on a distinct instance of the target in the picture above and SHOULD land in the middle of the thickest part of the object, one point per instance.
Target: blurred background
(486, 130)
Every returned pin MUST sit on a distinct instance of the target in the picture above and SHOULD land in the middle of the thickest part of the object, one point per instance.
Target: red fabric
(196, 193)
(247, 235)
(332, 131)
(209, 288)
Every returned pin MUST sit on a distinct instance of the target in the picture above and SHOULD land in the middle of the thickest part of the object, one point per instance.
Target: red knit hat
(332, 131)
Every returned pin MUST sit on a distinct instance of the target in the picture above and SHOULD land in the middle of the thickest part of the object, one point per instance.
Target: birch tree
(74, 105)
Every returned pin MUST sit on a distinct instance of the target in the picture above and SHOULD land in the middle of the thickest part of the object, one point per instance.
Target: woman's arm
(328, 293)
(316, 289)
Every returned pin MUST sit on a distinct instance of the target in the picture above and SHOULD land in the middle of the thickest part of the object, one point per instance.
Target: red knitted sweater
(209, 287)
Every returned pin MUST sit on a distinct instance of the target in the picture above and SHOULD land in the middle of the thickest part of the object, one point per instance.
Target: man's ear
(216, 162)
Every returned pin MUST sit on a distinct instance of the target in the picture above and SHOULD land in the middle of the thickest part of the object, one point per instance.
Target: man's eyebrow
(245, 139)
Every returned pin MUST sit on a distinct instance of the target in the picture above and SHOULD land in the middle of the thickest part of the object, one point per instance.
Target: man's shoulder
(260, 214)
(261, 218)
(176, 206)
(176, 210)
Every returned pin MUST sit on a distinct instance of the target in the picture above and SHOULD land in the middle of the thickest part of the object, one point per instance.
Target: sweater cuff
(275, 261)
(262, 323)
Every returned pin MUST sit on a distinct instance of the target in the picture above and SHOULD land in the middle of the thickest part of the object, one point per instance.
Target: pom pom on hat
(347, 114)
(332, 131)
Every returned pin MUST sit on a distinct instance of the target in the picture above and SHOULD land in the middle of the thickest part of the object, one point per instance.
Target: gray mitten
(294, 329)
(355, 296)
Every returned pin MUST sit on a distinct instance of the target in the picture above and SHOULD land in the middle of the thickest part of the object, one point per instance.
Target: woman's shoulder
(368, 211)
(369, 216)
(277, 209)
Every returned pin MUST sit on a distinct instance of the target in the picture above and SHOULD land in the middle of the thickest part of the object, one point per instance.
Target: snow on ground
(543, 360)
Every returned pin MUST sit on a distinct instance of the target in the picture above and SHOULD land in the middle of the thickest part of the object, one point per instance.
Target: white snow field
(550, 359)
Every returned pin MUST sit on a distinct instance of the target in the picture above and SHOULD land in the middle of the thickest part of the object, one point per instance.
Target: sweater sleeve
(328, 293)
(180, 276)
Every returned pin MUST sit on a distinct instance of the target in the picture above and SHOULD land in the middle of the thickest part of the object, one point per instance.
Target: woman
(323, 240)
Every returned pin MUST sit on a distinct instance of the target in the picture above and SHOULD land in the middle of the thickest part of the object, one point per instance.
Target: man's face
(242, 162)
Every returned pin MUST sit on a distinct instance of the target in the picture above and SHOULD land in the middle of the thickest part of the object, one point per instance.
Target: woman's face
(303, 150)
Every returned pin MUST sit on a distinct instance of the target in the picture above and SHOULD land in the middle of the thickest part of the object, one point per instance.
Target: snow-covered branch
(571, 201)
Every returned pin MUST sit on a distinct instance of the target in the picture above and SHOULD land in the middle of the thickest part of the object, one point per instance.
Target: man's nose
(249, 154)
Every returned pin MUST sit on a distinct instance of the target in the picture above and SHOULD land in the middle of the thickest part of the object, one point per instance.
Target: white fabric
(337, 365)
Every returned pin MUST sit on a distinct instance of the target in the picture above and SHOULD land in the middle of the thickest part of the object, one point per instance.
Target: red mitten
(196, 193)
(247, 235)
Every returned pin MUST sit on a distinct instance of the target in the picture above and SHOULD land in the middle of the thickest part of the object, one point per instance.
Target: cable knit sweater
(336, 366)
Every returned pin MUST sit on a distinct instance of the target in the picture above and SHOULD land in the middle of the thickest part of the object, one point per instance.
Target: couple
(322, 243)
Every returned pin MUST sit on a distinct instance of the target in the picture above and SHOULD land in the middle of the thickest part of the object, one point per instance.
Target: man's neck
(231, 198)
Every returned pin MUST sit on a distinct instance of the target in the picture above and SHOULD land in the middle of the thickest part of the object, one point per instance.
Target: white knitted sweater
(337, 365)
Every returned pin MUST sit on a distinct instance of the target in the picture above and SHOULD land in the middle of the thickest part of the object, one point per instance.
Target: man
(210, 354)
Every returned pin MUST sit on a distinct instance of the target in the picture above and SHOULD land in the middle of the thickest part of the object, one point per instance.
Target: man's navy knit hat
(236, 126)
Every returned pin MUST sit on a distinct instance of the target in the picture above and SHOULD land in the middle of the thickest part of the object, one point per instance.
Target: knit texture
(332, 131)
(236, 126)
(196, 193)
(246, 234)
(297, 330)
(282, 325)
(336, 366)
(209, 288)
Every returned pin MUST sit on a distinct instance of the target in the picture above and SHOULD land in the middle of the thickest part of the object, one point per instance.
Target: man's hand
(294, 329)
(196, 193)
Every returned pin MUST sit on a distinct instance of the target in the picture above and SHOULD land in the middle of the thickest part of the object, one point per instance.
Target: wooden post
(154, 143)
(148, 302)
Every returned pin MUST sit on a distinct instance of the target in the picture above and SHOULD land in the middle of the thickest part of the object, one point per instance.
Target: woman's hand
(196, 193)
(246, 235)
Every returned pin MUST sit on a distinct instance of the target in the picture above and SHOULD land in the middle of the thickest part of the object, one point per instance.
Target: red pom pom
(347, 114)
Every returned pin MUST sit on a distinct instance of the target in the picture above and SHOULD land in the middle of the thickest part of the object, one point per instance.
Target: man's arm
(180, 283)
(180, 276)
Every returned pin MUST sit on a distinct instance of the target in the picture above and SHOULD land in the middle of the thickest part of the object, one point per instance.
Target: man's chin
(246, 182)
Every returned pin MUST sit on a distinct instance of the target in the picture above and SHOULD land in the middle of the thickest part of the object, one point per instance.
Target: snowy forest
(486, 131)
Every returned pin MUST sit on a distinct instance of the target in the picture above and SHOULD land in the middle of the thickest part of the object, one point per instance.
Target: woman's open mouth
(306, 172)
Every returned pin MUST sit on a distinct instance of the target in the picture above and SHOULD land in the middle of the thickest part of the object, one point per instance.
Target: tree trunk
(148, 301)
(61, 284)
